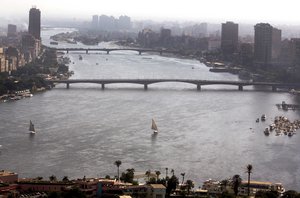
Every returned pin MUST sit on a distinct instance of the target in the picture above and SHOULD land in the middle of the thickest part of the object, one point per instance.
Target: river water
(210, 133)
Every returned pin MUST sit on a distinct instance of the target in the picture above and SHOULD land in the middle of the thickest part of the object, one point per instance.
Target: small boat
(154, 127)
(257, 120)
(31, 128)
(267, 131)
(53, 43)
(263, 117)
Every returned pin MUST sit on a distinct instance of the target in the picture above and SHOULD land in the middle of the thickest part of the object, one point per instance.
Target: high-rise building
(276, 43)
(263, 43)
(35, 23)
(11, 30)
(229, 37)
(95, 22)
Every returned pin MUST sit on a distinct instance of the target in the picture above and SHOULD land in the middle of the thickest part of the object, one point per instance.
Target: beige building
(156, 191)
(8, 177)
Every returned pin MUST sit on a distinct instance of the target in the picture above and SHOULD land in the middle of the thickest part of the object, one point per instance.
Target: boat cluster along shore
(283, 126)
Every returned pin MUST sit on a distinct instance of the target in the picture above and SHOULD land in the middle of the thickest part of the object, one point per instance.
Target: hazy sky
(273, 11)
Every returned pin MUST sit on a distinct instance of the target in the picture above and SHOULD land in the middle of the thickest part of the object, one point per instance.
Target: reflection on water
(210, 133)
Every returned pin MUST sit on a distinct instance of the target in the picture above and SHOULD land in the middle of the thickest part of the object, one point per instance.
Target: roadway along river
(206, 134)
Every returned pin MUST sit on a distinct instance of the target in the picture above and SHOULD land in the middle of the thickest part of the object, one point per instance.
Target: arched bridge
(108, 50)
(198, 83)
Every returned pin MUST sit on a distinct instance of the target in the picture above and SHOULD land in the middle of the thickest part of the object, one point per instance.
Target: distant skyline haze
(254, 11)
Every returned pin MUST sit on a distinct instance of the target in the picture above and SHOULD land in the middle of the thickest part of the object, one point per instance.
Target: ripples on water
(207, 134)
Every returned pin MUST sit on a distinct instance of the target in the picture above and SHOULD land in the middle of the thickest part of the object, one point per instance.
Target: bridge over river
(198, 83)
(108, 50)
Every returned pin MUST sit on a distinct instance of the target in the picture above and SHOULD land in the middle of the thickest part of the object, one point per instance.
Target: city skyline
(211, 11)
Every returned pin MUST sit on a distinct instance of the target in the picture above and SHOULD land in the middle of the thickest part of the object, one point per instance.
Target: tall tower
(35, 23)
(229, 37)
(95, 22)
(263, 43)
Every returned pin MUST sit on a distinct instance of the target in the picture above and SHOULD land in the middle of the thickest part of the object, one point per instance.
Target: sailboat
(154, 127)
(31, 128)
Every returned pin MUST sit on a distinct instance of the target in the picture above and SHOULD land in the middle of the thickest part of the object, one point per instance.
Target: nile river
(210, 133)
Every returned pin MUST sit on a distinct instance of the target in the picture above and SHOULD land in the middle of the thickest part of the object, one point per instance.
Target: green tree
(224, 184)
(54, 195)
(65, 179)
(171, 185)
(290, 194)
(249, 171)
(157, 175)
(236, 182)
(226, 194)
(148, 173)
(53, 178)
(173, 172)
(182, 174)
(266, 194)
(118, 164)
(190, 185)
(128, 176)
(167, 172)
(73, 193)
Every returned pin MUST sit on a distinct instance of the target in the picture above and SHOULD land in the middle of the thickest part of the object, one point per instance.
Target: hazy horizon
(213, 11)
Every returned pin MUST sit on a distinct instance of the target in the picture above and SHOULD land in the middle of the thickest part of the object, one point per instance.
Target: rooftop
(157, 186)
(6, 173)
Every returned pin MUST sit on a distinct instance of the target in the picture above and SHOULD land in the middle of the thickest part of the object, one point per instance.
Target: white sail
(31, 127)
(154, 127)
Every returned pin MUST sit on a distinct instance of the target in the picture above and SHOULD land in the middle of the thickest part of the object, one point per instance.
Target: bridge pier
(198, 87)
(107, 51)
(145, 86)
(160, 52)
(67, 51)
(102, 86)
(68, 85)
(140, 52)
(240, 88)
(274, 88)
(86, 51)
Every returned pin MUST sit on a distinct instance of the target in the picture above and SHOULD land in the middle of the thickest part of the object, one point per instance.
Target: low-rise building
(156, 191)
(256, 186)
(8, 177)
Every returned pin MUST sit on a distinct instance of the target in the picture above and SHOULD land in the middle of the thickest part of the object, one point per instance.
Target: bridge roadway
(107, 50)
(198, 83)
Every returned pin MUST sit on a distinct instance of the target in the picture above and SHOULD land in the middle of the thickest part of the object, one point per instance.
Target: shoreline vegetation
(32, 78)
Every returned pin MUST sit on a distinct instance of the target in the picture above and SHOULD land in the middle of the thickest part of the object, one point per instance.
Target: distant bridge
(108, 50)
(198, 83)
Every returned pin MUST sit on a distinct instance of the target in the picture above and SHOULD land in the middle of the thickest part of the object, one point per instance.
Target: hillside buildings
(19, 48)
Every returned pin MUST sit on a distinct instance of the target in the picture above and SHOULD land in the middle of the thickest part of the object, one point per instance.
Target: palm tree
(118, 164)
(157, 175)
(182, 174)
(167, 172)
(148, 173)
(236, 182)
(249, 171)
(172, 171)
